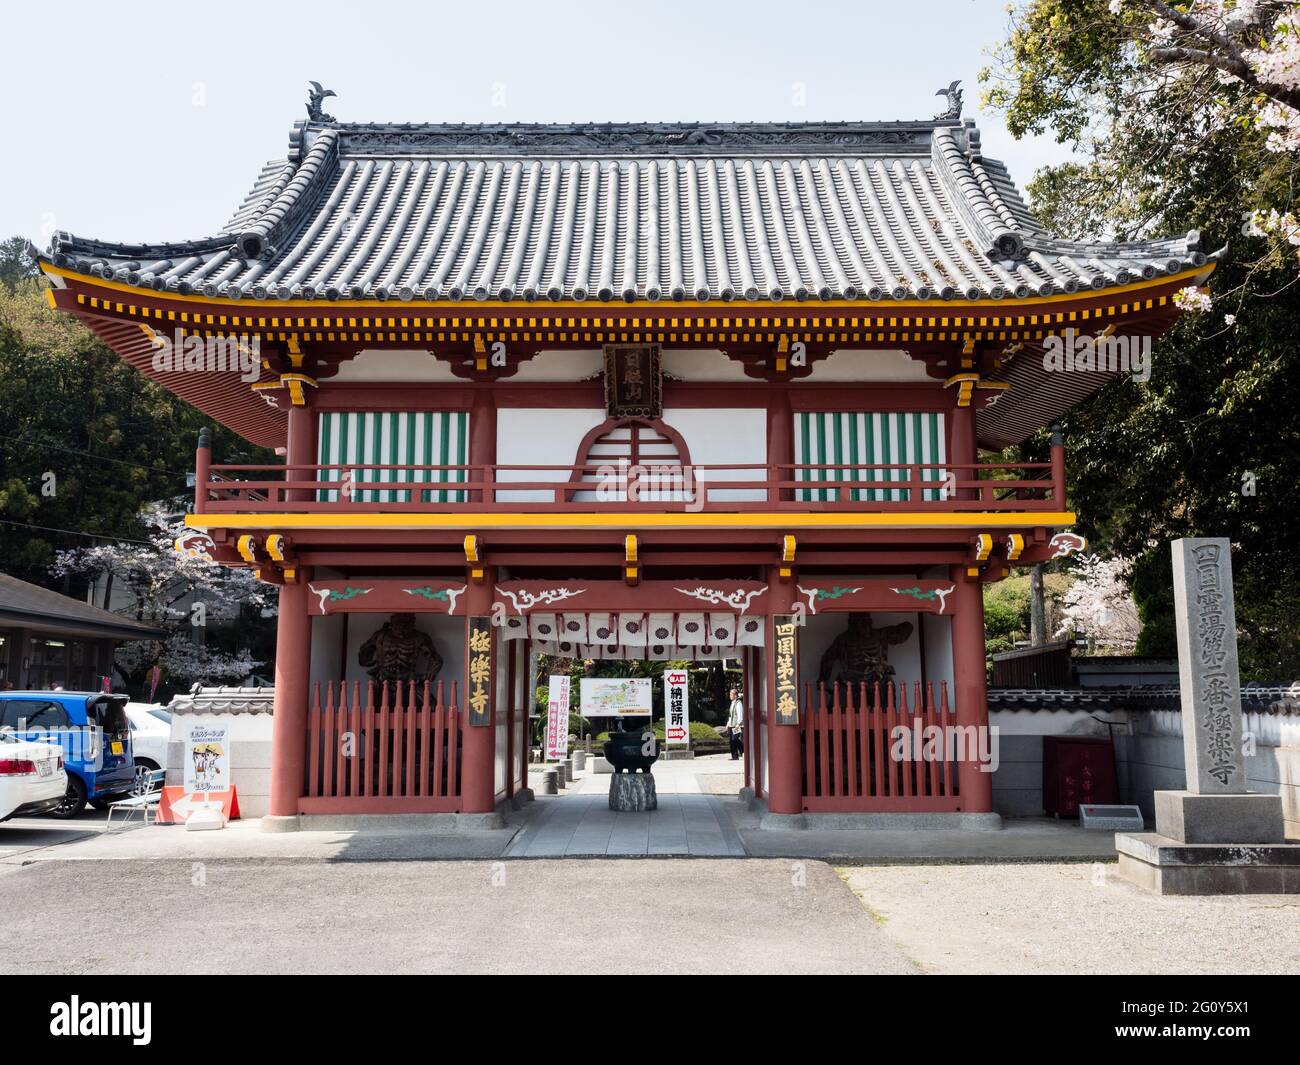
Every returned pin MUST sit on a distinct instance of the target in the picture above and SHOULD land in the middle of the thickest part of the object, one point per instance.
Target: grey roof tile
(632, 212)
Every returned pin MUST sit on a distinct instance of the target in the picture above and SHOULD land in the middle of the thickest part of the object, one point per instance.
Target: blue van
(92, 729)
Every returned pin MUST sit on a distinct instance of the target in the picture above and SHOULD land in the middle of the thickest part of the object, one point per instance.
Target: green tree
(87, 441)
(1169, 139)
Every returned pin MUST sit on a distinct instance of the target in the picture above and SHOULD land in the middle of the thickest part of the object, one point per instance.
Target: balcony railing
(1032, 486)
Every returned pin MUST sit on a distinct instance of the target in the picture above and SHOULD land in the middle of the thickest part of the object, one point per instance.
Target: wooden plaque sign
(478, 676)
(785, 664)
(633, 386)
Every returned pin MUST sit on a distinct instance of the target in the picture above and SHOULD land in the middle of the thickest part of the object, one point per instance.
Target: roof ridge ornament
(953, 95)
(314, 101)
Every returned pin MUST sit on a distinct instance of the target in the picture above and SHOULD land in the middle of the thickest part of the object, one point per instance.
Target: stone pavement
(688, 822)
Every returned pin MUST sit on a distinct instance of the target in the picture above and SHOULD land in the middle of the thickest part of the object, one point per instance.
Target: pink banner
(557, 719)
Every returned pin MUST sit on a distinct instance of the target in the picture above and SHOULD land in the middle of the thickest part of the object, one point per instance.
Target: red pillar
(289, 726)
(483, 440)
(478, 742)
(961, 446)
(970, 690)
(780, 442)
(784, 775)
(301, 450)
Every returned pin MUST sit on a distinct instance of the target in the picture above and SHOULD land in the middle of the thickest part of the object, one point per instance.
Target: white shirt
(736, 716)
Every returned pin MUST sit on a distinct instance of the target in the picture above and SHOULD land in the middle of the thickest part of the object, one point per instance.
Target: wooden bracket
(631, 564)
(788, 547)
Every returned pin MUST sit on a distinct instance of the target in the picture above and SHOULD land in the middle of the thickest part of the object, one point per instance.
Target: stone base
(869, 822)
(1170, 867)
(1189, 817)
(630, 792)
(432, 824)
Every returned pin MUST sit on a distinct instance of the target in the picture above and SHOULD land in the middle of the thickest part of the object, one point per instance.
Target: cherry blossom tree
(1099, 605)
(183, 592)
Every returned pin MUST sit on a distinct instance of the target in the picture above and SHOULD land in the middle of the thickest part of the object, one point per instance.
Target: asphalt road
(570, 916)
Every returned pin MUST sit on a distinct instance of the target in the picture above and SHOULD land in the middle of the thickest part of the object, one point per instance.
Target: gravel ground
(571, 916)
(1071, 918)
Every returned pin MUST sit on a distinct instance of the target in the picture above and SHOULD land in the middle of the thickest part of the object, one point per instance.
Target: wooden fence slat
(408, 784)
(824, 786)
(810, 741)
(864, 742)
(313, 759)
(453, 741)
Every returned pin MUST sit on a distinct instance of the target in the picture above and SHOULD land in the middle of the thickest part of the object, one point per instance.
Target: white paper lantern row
(631, 630)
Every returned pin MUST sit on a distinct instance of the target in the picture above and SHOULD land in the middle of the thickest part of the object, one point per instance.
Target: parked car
(151, 726)
(92, 730)
(32, 778)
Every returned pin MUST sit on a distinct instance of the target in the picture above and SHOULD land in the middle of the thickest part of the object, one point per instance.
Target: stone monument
(1215, 837)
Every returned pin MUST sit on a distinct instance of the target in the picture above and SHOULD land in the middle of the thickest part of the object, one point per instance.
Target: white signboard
(206, 757)
(616, 696)
(557, 719)
(677, 708)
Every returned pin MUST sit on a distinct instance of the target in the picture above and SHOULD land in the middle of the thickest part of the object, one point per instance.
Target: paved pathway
(585, 826)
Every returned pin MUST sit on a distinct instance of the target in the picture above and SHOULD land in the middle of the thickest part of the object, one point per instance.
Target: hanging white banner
(557, 719)
(677, 713)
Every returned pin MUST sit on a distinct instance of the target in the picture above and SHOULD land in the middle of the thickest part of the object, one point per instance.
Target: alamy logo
(189, 353)
(134, 1019)
(1075, 352)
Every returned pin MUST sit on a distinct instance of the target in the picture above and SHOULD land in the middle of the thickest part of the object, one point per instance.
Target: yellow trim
(622, 519)
(568, 307)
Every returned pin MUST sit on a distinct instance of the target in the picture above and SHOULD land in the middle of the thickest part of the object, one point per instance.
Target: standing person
(736, 725)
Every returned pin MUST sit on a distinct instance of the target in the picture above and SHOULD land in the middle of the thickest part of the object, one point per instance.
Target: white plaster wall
(852, 364)
(559, 365)
(551, 436)
(543, 436)
(722, 435)
(378, 364)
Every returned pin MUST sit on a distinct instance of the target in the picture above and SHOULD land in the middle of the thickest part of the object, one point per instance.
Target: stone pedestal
(629, 792)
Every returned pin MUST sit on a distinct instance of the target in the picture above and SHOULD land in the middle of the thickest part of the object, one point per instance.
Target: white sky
(139, 122)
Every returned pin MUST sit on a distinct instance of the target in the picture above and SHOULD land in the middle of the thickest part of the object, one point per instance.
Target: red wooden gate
(854, 760)
(399, 754)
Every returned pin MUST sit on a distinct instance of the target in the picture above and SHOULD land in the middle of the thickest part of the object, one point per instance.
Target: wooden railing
(382, 749)
(1026, 486)
(849, 749)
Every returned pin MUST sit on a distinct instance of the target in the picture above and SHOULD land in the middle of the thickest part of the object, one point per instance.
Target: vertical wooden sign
(478, 677)
(633, 385)
(785, 665)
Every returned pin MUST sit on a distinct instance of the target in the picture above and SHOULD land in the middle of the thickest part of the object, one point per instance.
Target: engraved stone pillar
(1214, 837)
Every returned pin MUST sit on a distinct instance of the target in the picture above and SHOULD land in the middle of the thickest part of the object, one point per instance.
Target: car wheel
(74, 800)
(144, 769)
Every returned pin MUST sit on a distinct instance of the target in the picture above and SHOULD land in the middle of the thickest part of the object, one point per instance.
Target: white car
(32, 778)
(151, 728)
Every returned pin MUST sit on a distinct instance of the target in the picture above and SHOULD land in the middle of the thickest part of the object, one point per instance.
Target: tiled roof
(873, 211)
(1255, 698)
(22, 603)
(224, 700)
